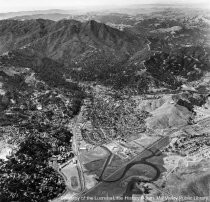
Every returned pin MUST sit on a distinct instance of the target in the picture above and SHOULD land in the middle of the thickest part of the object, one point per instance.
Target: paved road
(80, 171)
(158, 144)
(76, 152)
(106, 163)
(128, 166)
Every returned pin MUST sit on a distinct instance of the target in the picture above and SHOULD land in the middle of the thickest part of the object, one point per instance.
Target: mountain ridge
(96, 52)
(68, 31)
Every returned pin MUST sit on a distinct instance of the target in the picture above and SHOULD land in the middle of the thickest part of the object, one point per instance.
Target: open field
(142, 143)
(117, 188)
(72, 177)
(145, 141)
(94, 160)
(95, 167)
(93, 155)
(90, 181)
(5, 151)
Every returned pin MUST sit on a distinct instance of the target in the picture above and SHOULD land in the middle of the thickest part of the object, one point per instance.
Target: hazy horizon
(28, 5)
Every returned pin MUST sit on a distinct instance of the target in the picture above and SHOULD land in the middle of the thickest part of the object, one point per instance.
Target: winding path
(143, 161)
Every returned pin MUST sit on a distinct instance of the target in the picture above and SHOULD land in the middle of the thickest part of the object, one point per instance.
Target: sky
(23, 5)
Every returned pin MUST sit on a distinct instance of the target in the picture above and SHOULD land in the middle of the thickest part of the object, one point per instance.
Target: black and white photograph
(104, 101)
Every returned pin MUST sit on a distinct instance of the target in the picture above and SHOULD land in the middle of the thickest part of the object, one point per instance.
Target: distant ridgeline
(93, 51)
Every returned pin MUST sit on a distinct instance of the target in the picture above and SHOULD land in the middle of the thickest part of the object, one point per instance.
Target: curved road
(143, 161)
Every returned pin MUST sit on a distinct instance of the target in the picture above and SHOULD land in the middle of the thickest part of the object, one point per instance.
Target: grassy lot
(71, 173)
(93, 155)
(118, 188)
